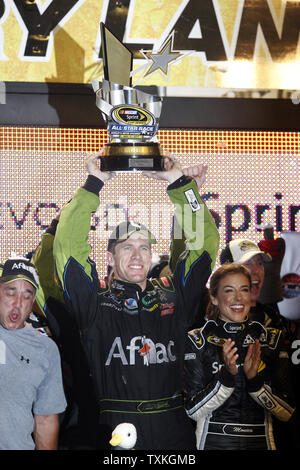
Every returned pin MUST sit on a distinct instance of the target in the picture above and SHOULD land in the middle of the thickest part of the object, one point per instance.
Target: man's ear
(110, 259)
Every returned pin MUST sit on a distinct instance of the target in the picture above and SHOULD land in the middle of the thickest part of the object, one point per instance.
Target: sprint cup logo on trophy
(130, 114)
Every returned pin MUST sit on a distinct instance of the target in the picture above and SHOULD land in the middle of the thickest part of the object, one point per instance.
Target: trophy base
(132, 156)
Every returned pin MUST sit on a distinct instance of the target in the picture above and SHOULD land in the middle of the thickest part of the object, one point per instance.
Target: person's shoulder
(164, 283)
(273, 337)
(267, 315)
(41, 338)
(268, 335)
(209, 327)
(198, 336)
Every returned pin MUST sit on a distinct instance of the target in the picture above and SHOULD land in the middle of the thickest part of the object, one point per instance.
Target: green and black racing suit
(134, 340)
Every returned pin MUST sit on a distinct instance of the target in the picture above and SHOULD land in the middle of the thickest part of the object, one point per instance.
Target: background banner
(253, 178)
(188, 47)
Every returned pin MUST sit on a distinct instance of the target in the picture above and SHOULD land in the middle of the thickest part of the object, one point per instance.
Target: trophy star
(162, 59)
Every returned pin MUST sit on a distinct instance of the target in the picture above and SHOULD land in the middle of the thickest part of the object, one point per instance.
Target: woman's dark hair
(212, 311)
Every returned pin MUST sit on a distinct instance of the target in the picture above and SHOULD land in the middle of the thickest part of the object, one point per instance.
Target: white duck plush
(123, 436)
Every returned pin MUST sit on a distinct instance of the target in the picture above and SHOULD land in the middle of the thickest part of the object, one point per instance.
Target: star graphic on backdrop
(162, 58)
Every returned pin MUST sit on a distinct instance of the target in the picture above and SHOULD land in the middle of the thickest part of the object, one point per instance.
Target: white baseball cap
(242, 250)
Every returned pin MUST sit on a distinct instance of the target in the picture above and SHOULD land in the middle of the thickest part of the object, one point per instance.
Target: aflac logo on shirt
(142, 347)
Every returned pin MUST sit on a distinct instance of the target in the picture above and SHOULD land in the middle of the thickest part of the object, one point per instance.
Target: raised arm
(178, 246)
(44, 262)
(75, 271)
(196, 225)
(196, 263)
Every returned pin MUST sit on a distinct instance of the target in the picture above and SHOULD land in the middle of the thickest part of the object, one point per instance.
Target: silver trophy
(131, 115)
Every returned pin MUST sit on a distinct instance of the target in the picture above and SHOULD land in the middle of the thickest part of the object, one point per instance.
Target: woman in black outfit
(236, 371)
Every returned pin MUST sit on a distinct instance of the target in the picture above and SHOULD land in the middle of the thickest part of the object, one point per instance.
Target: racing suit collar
(233, 327)
(126, 286)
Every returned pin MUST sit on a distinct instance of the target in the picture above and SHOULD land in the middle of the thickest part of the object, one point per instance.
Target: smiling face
(257, 271)
(16, 300)
(233, 297)
(131, 259)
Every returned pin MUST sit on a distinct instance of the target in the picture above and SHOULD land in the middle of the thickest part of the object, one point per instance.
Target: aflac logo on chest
(152, 353)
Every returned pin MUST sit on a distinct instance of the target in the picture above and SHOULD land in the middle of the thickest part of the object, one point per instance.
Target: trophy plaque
(131, 115)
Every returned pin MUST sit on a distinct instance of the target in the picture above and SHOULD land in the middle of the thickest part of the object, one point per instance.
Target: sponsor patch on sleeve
(273, 337)
(266, 400)
(192, 200)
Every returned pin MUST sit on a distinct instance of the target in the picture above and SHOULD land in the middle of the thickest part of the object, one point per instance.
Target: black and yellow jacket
(232, 412)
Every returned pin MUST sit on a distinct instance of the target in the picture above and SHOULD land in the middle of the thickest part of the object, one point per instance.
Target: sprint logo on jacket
(140, 348)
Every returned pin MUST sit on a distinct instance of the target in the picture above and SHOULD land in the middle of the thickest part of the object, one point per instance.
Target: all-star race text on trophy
(130, 114)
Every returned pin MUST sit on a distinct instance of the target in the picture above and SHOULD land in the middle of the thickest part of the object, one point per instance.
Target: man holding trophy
(133, 329)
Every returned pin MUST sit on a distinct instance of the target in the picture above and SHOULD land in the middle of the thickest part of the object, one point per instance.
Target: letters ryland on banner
(130, 114)
(226, 48)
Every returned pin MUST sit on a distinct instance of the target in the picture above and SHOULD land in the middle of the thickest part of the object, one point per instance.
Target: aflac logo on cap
(22, 265)
(16, 264)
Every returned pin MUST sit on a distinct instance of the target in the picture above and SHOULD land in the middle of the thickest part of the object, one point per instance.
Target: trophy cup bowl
(132, 156)
(131, 115)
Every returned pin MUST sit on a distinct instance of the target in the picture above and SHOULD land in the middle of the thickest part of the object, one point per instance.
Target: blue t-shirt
(30, 383)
